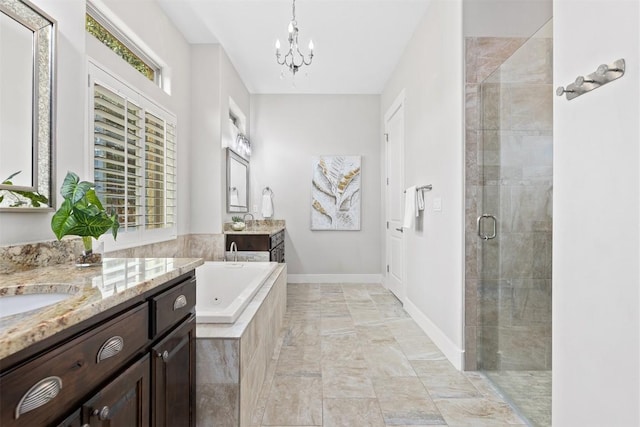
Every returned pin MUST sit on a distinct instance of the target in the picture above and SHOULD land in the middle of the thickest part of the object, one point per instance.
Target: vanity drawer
(170, 307)
(52, 384)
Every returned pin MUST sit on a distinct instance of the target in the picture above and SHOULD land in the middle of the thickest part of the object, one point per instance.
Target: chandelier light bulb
(290, 27)
(311, 45)
(278, 44)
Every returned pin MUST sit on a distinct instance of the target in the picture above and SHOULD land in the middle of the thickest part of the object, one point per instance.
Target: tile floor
(529, 390)
(349, 355)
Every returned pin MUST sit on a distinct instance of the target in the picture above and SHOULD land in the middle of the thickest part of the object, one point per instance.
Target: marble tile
(351, 413)
(477, 413)
(342, 350)
(346, 382)
(449, 385)
(299, 361)
(387, 360)
(294, 401)
(374, 333)
(217, 404)
(355, 293)
(302, 333)
(392, 311)
(218, 361)
(406, 401)
(404, 328)
(425, 368)
(337, 325)
(334, 310)
(419, 348)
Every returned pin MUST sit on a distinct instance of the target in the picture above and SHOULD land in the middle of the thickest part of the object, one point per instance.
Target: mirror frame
(232, 155)
(44, 30)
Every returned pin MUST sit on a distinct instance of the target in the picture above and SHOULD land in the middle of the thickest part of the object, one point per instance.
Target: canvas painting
(335, 203)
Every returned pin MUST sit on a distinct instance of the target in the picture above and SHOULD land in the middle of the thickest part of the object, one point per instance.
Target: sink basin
(14, 304)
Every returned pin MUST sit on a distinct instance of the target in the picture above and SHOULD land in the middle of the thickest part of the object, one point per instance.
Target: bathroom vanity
(261, 237)
(119, 351)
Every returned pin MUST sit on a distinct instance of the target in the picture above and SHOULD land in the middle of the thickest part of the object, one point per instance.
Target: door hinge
(386, 137)
(387, 268)
(387, 225)
(387, 181)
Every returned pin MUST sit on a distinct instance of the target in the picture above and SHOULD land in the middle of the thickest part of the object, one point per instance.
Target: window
(108, 34)
(134, 158)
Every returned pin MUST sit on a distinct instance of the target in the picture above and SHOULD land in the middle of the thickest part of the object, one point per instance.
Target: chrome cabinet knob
(164, 355)
(102, 414)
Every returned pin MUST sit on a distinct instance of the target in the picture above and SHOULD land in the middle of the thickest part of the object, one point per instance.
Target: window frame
(141, 235)
(100, 17)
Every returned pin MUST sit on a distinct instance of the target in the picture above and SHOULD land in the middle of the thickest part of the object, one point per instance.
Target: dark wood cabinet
(173, 371)
(272, 243)
(122, 402)
(133, 367)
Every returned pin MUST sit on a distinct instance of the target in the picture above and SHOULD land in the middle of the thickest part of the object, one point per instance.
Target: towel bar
(427, 187)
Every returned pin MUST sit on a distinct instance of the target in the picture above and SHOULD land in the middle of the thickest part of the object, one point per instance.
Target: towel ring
(267, 190)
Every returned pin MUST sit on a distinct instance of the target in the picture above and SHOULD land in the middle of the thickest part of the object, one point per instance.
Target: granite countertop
(260, 226)
(93, 289)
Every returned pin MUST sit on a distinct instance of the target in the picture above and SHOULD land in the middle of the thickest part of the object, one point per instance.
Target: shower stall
(513, 229)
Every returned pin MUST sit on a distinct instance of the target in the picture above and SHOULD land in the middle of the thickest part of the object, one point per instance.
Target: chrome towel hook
(606, 73)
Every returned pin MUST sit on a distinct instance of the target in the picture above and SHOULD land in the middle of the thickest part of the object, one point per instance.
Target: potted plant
(238, 223)
(82, 214)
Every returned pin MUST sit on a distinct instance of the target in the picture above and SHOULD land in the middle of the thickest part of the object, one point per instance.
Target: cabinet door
(173, 372)
(73, 420)
(122, 402)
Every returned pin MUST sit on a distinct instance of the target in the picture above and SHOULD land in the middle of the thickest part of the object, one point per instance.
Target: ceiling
(357, 42)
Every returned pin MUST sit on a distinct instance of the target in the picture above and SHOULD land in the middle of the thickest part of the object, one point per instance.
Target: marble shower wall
(509, 175)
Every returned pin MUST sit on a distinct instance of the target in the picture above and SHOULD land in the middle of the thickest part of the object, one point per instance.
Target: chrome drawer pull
(42, 392)
(180, 302)
(110, 348)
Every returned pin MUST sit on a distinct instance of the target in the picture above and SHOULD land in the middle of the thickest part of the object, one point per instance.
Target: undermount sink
(38, 298)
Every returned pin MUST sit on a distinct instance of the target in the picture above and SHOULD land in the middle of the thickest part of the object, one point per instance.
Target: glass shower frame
(516, 183)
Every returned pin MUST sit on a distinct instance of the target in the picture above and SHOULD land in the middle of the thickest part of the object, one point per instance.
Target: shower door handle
(479, 223)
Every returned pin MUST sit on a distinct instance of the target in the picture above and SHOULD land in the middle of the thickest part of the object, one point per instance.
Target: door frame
(397, 104)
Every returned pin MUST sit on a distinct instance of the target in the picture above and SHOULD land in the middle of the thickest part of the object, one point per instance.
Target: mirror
(27, 38)
(237, 183)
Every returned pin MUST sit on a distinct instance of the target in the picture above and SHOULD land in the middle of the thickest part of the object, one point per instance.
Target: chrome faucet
(233, 248)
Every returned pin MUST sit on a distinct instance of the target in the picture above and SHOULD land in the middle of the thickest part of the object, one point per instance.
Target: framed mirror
(237, 183)
(27, 68)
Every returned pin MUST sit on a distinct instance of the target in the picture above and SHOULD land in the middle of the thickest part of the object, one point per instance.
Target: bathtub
(224, 289)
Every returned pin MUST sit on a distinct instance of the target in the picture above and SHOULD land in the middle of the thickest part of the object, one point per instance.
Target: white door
(394, 134)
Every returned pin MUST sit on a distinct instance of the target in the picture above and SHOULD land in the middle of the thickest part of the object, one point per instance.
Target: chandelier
(293, 59)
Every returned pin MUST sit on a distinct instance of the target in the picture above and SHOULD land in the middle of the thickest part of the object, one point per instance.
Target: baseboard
(334, 278)
(450, 350)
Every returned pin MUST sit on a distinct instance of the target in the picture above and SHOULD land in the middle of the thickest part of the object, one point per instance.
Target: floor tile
(477, 412)
(346, 382)
(350, 356)
(294, 401)
(352, 413)
(404, 400)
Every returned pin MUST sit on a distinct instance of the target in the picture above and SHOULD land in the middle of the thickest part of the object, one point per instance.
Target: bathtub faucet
(234, 251)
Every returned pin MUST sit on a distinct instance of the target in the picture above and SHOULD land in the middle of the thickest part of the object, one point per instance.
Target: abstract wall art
(335, 201)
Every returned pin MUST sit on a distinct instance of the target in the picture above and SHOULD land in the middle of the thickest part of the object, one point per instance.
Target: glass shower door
(515, 229)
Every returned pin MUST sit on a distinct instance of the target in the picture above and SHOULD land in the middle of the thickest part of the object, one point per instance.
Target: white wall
(505, 18)
(153, 27)
(431, 73)
(286, 132)
(213, 81)
(596, 246)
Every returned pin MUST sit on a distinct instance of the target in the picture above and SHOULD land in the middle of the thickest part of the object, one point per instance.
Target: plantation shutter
(160, 172)
(134, 152)
(118, 163)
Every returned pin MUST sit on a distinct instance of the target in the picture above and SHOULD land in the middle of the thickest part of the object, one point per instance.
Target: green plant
(81, 213)
(36, 198)
(237, 219)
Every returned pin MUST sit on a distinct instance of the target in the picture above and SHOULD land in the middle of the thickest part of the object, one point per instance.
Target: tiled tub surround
(509, 163)
(232, 359)
(94, 289)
